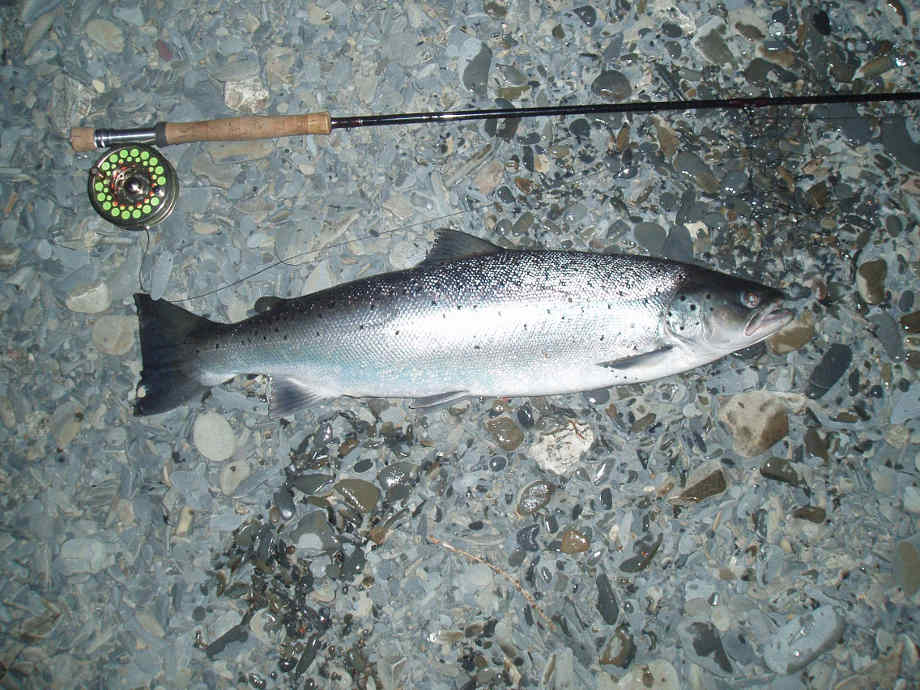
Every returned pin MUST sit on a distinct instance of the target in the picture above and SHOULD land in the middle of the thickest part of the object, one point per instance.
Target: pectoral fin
(643, 359)
(289, 395)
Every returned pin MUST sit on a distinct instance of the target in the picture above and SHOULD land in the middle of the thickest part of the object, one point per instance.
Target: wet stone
(574, 541)
(497, 463)
(311, 483)
(534, 497)
(710, 485)
(587, 14)
(612, 86)
(715, 49)
(706, 643)
(794, 335)
(801, 640)
(756, 420)
(815, 444)
(811, 513)
(527, 537)
(232, 474)
(476, 74)
(906, 564)
(620, 649)
(898, 144)
(671, 30)
(284, 502)
(646, 550)
(870, 281)
(398, 479)
(781, 470)
(506, 433)
(359, 494)
(889, 334)
(607, 604)
(106, 34)
(832, 366)
(911, 322)
(90, 299)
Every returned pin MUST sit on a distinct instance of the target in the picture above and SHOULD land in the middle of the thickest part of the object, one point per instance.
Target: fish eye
(750, 299)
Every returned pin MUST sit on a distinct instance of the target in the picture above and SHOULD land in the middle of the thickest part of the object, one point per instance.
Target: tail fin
(169, 376)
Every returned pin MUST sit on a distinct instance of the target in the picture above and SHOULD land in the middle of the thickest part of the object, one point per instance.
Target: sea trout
(472, 319)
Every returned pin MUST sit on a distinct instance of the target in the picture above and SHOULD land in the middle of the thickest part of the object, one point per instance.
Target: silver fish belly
(471, 320)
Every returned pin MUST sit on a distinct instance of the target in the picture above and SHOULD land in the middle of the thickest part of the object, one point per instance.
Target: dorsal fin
(453, 244)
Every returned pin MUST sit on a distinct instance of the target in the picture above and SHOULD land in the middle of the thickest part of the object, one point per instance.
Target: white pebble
(213, 437)
(560, 451)
(114, 335)
(90, 299)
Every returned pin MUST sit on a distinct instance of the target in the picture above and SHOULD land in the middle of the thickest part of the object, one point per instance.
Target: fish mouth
(768, 320)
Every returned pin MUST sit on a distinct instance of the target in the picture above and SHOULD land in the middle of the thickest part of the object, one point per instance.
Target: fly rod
(133, 185)
(273, 126)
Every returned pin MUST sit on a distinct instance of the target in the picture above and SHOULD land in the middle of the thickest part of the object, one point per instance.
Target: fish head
(721, 314)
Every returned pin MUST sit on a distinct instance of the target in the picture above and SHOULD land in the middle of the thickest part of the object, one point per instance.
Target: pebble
(655, 675)
(106, 34)
(359, 494)
(114, 335)
(612, 85)
(832, 366)
(574, 541)
(703, 641)
(911, 322)
(802, 640)
(795, 335)
(912, 499)
(84, 555)
(90, 299)
(870, 280)
(232, 474)
(756, 420)
(213, 436)
(506, 433)
(65, 423)
(560, 452)
(184, 524)
(9, 256)
(606, 604)
(620, 649)
(703, 485)
(534, 497)
(246, 96)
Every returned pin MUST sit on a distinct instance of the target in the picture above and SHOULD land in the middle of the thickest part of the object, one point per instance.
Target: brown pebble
(793, 336)
(913, 359)
(620, 649)
(870, 281)
(911, 322)
(815, 444)
(574, 542)
(347, 446)
(506, 433)
(810, 513)
(710, 485)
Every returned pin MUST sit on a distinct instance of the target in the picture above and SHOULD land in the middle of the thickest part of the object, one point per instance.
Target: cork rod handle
(247, 128)
(226, 129)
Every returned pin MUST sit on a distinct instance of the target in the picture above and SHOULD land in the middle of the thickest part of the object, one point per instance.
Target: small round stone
(114, 335)
(213, 437)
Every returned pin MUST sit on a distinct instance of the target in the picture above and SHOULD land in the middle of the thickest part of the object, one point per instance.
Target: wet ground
(750, 523)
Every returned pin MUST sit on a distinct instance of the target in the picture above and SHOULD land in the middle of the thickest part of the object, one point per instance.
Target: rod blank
(270, 127)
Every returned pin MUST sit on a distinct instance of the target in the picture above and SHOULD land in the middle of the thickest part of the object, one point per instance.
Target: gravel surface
(751, 523)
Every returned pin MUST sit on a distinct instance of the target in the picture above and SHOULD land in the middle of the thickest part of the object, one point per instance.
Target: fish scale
(472, 319)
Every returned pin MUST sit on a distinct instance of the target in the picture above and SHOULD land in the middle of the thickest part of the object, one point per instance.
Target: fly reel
(133, 187)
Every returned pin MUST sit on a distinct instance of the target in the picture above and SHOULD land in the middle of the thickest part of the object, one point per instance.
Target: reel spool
(133, 187)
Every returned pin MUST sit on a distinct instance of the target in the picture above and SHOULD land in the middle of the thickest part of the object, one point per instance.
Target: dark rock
(832, 366)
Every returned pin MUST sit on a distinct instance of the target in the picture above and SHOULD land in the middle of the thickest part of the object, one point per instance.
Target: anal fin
(643, 359)
(289, 395)
(430, 402)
